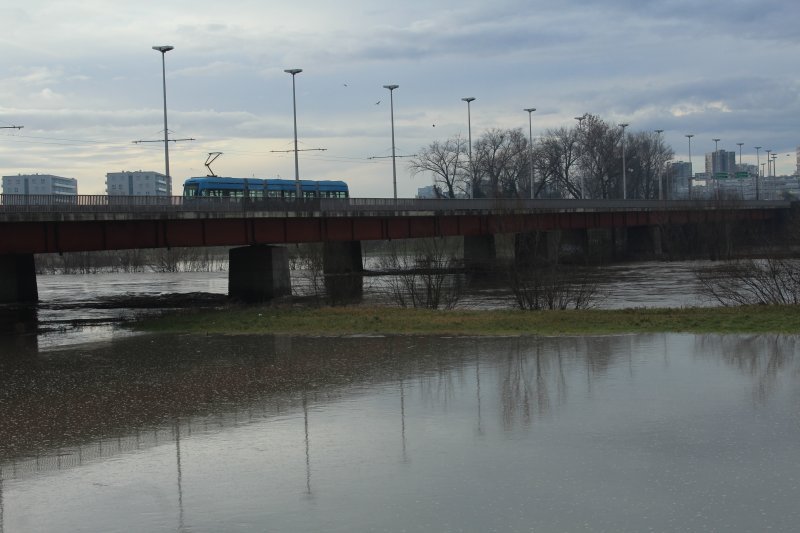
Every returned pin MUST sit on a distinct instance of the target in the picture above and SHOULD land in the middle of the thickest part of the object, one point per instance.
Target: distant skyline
(82, 79)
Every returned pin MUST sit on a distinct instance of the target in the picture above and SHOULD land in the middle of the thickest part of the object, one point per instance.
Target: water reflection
(233, 411)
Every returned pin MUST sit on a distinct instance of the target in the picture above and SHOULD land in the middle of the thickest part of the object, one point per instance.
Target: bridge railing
(17, 203)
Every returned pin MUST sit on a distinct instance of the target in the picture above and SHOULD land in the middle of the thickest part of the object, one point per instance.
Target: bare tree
(647, 163)
(557, 156)
(447, 162)
(770, 281)
(601, 158)
(424, 273)
(501, 160)
(553, 287)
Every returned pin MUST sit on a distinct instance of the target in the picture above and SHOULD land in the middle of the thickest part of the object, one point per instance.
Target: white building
(138, 183)
(40, 184)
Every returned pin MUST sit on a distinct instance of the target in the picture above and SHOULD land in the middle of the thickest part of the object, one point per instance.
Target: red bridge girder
(89, 235)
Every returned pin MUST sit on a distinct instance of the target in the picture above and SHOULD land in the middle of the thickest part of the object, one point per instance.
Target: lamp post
(624, 185)
(715, 164)
(758, 168)
(530, 111)
(768, 168)
(580, 130)
(469, 100)
(164, 49)
(739, 169)
(689, 182)
(394, 163)
(774, 166)
(294, 72)
(660, 193)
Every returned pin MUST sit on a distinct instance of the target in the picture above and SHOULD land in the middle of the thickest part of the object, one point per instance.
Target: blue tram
(218, 187)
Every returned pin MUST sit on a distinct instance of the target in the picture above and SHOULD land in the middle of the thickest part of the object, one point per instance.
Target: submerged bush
(553, 287)
(747, 282)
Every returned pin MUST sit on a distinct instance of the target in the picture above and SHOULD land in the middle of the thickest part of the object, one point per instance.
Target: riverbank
(335, 321)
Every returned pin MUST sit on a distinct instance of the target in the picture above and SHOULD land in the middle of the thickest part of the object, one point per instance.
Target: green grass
(378, 320)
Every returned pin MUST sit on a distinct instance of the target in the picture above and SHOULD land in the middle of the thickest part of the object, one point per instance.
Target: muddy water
(618, 433)
(86, 308)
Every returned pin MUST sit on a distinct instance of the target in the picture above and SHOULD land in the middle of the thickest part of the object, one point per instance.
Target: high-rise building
(681, 169)
(720, 161)
(138, 183)
(40, 184)
(797, 170)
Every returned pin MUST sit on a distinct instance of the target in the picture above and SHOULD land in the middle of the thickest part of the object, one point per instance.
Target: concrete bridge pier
(644, 240)
(343, 269)
(18, 279)
(573, 246)
(479, 253)
(552, 247)
(530, 249)
(600, 245)
(258, 273)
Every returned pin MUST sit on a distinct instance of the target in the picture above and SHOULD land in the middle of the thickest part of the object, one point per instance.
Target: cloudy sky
(81, 77)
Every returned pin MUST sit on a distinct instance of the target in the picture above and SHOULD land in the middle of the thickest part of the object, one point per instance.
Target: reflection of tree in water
(762, 357)
(439, 387)
(532, 376)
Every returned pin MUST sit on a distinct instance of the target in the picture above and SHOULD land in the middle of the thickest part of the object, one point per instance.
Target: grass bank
(378, 320)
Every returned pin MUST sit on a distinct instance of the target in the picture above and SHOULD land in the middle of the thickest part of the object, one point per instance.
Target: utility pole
(658, 170)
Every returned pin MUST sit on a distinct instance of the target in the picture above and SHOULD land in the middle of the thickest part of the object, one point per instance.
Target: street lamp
(164, 49)
(660, 194)
(758, 168)
(580, 130)
(294, 72)
(716, 164)
(468, 100)
(768, 168)
(689, 182)
(624, 187)
(740, 155)
(394, 164)
(774, 166)
(530, 111)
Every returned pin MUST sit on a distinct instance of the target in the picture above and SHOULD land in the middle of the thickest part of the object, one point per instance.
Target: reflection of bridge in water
(141, 439)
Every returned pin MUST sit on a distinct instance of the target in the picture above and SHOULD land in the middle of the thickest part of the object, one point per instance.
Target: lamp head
(468, 99)
(391, 87)
(530, 109)
(293, 71)
(164, 49)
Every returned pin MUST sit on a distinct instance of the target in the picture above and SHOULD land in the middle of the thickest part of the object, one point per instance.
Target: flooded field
(619, 433)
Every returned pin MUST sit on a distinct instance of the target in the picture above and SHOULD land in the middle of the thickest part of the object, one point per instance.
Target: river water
(102, 430)
(87, 308)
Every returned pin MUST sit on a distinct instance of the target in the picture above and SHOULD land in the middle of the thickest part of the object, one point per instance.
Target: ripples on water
(212, 433)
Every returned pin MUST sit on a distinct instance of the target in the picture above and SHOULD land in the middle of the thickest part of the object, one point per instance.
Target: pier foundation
(258, 273)
(18, 279)
(343, 269)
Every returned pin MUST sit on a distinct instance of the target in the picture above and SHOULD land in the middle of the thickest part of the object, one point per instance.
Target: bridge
(32, 225)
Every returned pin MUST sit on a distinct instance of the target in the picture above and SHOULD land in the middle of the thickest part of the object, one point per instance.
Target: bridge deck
(83, 223)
